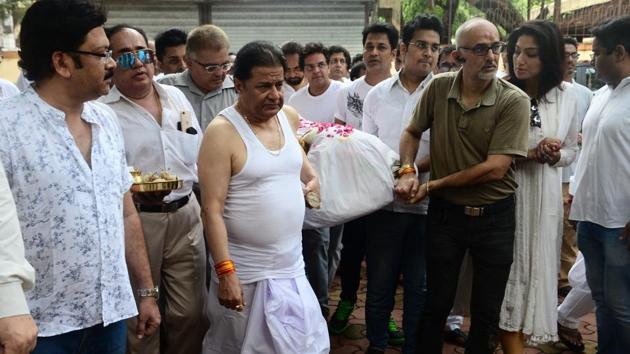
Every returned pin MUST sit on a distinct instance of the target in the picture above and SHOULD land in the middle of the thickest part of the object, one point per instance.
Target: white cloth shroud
(354, 169)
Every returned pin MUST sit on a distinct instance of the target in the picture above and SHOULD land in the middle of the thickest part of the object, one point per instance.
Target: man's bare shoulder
(220, 131)
(220, 124)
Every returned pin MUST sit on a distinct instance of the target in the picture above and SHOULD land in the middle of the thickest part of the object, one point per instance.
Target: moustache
(293, 80)
(109, 74)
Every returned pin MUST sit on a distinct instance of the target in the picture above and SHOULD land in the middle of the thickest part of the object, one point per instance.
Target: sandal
(571, 338)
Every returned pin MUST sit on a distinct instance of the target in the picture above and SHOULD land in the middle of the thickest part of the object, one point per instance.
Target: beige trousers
(177, 254)
(569, 249)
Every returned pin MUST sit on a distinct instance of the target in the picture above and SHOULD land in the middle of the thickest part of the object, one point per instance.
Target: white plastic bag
(355, 171)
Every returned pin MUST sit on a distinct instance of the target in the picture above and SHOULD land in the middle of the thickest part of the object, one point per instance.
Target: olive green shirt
(463, 137)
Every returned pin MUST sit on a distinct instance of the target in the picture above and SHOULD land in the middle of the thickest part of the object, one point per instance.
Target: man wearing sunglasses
(64, 159)
(161, 133)
(479, 124)
(205, 83)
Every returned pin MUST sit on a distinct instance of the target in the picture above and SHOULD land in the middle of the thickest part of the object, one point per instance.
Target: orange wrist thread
(224, 268)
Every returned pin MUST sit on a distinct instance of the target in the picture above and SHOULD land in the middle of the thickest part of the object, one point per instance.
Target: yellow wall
(9, 67)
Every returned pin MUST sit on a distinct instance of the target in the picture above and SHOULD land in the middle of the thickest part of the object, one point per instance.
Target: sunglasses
(534, 116)
(127, 60)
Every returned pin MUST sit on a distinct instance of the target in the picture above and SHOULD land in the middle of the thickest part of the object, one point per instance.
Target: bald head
(474, 30)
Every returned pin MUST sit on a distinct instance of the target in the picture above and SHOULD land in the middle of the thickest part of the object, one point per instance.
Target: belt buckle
(473, 211)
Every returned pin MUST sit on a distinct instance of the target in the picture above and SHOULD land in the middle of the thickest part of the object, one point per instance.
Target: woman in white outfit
(536, 55)
(251, 171)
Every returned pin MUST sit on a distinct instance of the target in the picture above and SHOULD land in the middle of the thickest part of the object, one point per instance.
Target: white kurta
(530, 296)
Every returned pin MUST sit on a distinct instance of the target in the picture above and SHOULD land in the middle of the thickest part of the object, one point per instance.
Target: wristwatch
(153, 292)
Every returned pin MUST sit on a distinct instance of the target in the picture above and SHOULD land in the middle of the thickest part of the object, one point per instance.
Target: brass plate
(157, 186)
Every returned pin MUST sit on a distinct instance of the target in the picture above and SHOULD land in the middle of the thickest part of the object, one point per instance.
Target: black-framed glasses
(482, 49)
(534, 115)
(422, 45)
(211, 68)
(105, 56)
(127, 60)
(573, 55)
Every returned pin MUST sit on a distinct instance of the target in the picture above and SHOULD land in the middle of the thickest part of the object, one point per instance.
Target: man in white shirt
(569, 250)
(161, 133)
(317, 101)
(602, 196)
(339, 62)
(379, 42)
(294, 75)
(205, 83)
(64, 159)
(395, 234)
(18, 332)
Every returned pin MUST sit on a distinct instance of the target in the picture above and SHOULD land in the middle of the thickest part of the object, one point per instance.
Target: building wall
(329, 21)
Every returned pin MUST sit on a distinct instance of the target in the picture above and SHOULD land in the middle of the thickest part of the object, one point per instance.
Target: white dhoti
(579, 300)
(281, 316)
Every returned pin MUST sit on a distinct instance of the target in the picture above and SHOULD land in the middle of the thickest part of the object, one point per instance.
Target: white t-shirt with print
(317, 108)
(350, 102)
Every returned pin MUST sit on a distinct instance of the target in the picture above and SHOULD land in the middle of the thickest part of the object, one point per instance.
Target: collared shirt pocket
(181, 145)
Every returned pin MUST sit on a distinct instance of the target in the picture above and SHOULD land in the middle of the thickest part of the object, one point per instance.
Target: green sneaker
(396, 336)
(339, 320)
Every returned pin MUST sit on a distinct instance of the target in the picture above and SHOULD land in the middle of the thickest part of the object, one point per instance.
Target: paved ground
(353, 339)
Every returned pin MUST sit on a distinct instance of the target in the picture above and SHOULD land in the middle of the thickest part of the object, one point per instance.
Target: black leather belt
(481, 210)
(170, 207)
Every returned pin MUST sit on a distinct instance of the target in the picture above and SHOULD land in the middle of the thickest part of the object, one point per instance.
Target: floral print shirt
(71, 213)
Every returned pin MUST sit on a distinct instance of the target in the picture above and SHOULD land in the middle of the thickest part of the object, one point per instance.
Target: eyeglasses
(310, 67)
(212, 68)
(127, 60)
(482, 49)
(422, 45)
(573, 55)
(534, 115)
(105, 56)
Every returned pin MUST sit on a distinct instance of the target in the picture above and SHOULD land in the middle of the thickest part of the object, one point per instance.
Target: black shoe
(456, 336)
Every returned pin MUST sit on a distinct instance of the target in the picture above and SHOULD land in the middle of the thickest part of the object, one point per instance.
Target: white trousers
(579, 301)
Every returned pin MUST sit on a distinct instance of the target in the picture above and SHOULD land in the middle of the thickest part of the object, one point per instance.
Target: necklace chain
(275, 153)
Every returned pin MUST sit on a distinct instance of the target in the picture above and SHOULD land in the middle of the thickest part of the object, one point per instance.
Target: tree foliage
(506, 14)
(8, 6)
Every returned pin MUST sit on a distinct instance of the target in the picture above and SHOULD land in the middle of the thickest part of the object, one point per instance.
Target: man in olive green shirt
(479, 124)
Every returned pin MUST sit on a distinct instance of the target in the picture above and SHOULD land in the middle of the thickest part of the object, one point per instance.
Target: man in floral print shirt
(65, 163)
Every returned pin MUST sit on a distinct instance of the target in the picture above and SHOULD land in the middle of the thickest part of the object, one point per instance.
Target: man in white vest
(254, 176)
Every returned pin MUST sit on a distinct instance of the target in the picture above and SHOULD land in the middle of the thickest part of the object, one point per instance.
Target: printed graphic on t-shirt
(355, 104)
